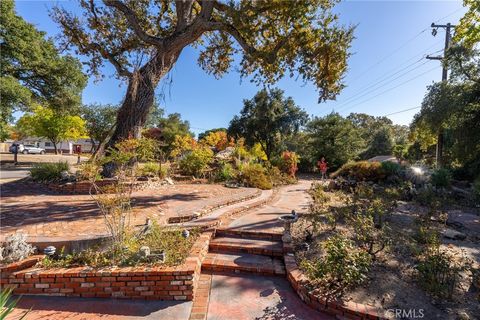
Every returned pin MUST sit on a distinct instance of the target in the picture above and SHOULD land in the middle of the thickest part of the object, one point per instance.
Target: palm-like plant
(7, 305)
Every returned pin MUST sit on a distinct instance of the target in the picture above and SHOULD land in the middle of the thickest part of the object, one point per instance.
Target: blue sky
(387, 72)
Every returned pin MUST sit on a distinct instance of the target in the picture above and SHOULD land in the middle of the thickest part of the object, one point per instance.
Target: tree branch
(110, 57)
(133, 22)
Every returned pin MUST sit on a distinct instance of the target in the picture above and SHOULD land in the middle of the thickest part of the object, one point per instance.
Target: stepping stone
(243, 262)
(253, 246)
(453, 234)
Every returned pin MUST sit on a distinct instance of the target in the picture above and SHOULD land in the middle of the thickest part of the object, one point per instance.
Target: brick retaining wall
(348, 310)
(150, 283)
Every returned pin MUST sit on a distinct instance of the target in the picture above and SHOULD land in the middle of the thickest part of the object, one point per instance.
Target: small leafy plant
(441, 178)
(48, 172)
(439, 271)
(7, 305)
(343, 267)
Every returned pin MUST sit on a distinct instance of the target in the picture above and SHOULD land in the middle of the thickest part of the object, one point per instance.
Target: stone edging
(208, 209)
(348, 310)
(149, 283)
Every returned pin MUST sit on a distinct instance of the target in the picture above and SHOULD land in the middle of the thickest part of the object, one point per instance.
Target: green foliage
(439, 271)
(255, 175)
(391, 168)
(225, 172)
(268, 119)
(197, 161)
(441, 178)
(33, 71)
(7, 304)
(51, 124)
(153, 169)
(48, 172)
(453, 108)
(279, 178)
(370, 237)
(467, 31)
(361, 171)
(99, 120)
(89, 171)
(380, 144)
(334, 138)
(343, 267)
(274, 39)
(158, 239)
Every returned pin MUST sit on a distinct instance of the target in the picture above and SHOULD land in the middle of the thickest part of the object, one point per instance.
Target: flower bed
(151, 283)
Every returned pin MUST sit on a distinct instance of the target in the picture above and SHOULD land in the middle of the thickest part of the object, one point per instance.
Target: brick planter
(347, 310)
(150, 283)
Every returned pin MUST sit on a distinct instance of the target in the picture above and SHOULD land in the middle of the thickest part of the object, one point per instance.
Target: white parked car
(26, 149)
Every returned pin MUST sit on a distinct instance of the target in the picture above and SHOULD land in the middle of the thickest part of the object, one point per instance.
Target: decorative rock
(64, 175)
(185, 233)
(453, 234)
(144, 251)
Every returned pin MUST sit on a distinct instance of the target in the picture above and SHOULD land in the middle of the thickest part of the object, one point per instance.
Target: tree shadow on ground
(52, 307)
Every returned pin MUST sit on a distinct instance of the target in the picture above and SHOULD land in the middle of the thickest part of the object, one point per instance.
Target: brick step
(238, 233)
(253, 246)
(243, 263)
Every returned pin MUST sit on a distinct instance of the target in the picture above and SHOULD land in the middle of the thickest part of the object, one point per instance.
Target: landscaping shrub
(361, 171)
(15, 248)
(391, 168)
(153, 169)
(7, 305)
(439, 271)
(288, 163)
(225, 172)
(48, 172)
(369, 237)
(279, 178)
(343, 267)
(197, 161)
(158, 239)
(441, 178)
(89, 171)
(254, 175)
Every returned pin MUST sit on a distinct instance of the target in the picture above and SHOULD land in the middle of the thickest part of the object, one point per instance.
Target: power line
(390, 89)
(388, 74)
(381, 86)
(401, 111)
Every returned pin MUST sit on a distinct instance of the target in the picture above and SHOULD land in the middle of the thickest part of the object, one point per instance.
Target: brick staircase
(238, 251)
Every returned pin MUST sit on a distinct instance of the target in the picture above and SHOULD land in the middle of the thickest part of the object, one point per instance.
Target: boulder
(453, 234)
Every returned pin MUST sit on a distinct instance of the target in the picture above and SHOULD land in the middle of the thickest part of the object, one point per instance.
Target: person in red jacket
(322, 166)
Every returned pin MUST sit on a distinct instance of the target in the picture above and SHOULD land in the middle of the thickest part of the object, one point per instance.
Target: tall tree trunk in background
(138, 101)
(54, 146)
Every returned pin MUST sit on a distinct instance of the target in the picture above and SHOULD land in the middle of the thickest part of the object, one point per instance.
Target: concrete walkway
(292, 197)
(253, 296)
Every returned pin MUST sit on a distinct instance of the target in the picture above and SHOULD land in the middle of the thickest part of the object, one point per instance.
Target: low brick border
(149, 283)
(208, 209)
(201, 299)
(84, 187)
(348, 310)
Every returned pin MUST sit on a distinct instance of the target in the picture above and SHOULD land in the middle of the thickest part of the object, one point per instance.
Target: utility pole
(448, 27)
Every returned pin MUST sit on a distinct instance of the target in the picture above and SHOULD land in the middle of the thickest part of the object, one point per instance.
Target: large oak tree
(143, 39)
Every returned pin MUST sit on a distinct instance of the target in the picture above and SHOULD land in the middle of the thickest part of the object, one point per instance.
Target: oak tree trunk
(138, 101)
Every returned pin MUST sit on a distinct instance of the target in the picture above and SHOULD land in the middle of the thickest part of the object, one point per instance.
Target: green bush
(279, 178)
(49, 172)
(225, 172)
(254, 175)
(153, 169)
(197, 161)
(441, 178)
(439, 272)
(391, 168)
(343, 267)
(361, 171)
